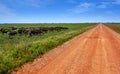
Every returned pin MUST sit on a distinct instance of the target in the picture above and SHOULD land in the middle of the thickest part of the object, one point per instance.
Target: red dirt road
(97, 51)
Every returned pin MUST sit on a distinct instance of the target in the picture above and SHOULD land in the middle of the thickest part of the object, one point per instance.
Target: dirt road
(96, 51)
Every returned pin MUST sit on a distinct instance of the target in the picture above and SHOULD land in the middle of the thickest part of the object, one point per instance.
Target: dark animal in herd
(2, 30)
(30, 31)
(42, 30)
(12, 33)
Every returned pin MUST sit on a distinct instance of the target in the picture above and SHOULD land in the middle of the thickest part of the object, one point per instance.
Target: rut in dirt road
(96, 51)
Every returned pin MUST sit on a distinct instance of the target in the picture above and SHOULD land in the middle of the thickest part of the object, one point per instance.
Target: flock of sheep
(29, 31)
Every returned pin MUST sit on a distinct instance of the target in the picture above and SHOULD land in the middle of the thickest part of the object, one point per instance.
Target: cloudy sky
(51, 11)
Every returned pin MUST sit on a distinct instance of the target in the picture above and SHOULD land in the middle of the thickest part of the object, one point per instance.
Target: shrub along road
(96, 51)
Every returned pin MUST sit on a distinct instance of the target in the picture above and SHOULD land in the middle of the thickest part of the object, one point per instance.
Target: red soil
(97, 51)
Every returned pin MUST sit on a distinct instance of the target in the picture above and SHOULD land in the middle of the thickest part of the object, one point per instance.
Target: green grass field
(22, 49)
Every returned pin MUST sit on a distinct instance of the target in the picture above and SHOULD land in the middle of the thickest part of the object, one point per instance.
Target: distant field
(114, 26)
(21, 49)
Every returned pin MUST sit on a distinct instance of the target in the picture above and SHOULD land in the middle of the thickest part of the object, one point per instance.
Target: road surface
(97, 51)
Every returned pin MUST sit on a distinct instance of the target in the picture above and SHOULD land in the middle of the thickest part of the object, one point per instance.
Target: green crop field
(22, 49)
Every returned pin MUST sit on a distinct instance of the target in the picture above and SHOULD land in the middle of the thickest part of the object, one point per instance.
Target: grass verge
(115, 27)
(13, 57)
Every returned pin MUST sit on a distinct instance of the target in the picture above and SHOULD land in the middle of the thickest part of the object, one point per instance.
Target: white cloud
(85, 5)
(103, 5)
(82, 7)
(116, 2)
(108, 4)
(6, 14)
(5, 11)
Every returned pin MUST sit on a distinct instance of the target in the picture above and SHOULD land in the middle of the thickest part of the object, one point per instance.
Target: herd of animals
(29, 31)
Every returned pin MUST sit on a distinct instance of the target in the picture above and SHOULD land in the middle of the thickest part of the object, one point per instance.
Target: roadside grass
(114, 26)
(21, 49)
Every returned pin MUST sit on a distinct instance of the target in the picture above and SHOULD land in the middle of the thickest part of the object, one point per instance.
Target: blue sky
(59, 11)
